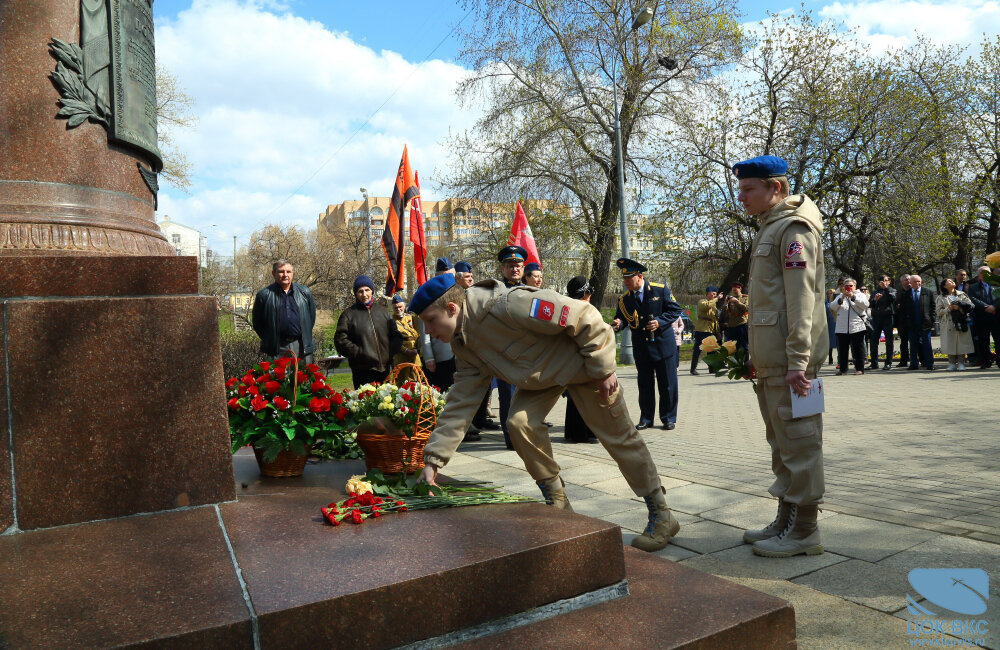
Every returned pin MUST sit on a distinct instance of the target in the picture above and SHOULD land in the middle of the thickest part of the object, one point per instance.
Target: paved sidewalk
(912, 482)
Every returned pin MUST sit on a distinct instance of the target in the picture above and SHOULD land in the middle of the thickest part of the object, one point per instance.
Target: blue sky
(281, 88)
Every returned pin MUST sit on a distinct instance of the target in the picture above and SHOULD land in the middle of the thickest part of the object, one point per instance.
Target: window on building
(376, 212)
(473, 212)
(175, 238)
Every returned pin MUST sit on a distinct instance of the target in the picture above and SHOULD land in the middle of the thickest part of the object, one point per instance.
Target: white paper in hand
(810, 404)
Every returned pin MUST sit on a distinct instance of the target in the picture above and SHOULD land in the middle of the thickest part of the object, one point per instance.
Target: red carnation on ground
(281, 403)
(336, 399)
(279, 373)
(319, 405)
(234, 404)
(264, 366)
(272, 387)
(258, 403)
(317, 386)
(356, 516)
(232, 382)
(341, 413)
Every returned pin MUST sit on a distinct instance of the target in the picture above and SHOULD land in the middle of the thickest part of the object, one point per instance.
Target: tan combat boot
(773, 528)
(552, 491)
(662, 524)
(800, 535)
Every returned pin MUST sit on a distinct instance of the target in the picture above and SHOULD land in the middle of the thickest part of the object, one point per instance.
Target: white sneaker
(950, 367)
(960, 366)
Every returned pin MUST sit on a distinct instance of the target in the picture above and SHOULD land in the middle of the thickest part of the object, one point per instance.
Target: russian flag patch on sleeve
(541, 309)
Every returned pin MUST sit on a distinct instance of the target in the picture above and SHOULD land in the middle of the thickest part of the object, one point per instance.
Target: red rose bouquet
(281, 406)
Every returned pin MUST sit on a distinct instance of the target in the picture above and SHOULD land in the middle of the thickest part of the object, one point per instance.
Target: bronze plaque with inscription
(133, 71)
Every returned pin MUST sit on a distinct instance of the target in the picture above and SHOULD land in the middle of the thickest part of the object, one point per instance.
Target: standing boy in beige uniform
(542, 342)
(788, 344)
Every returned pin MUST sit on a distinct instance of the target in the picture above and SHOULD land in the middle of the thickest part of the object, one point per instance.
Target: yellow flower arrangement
(730, 346)
(356, 486)
(709, 344)
(993, 260)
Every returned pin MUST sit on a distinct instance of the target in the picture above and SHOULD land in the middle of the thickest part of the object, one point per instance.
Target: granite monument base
(114, 391)
(267, 569)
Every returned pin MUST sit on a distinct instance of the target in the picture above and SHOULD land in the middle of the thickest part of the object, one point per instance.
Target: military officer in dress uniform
(788, 345)
(544, 343)
(649, 311)
(511, 260)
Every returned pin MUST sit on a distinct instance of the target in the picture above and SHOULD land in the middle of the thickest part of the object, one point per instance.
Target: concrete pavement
(912, 482)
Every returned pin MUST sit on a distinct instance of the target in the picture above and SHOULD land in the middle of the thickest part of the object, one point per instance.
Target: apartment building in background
(184, 239)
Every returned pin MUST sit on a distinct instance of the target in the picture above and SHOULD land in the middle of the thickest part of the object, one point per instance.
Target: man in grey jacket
(284, 314)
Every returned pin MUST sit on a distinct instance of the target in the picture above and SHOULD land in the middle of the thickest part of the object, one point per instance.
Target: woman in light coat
(678, 328)
(954, 305)
(850, 308)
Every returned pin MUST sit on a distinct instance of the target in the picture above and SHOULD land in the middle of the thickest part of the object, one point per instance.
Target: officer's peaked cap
(630, 267)
(512, 254)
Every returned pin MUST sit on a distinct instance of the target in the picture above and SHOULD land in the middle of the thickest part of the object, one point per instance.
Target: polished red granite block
(117, 407)
(6, 503)
(62, 275)
(403, 577)
(163, 581)
(668, 606)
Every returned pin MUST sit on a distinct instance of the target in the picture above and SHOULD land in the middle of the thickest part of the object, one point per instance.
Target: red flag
(417, 235)
(520, 235)
(392, 236)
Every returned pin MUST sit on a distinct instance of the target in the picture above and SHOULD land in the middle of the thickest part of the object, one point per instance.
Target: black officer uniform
(655, 352)
(505, 391)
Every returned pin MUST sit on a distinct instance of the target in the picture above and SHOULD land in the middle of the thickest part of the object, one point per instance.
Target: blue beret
(430, 291)
(760, 167)
(463, 267)
(710, 289)
(397, 298)
(630, 267)
(363, 281)
(443, 264)
(528, 268)
(512, 254)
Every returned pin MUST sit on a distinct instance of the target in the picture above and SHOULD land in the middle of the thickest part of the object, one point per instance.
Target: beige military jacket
(531, 338)
(788, 329)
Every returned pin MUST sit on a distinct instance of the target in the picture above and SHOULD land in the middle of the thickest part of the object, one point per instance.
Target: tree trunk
(603, 245)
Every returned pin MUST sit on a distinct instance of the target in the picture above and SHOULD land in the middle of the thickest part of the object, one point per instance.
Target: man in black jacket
(283, 315)
(985, 320)
(367, 335)
(904, 334)
(882, 304)
(916, 309)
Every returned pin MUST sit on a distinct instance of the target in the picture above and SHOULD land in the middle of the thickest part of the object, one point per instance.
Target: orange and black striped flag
(392, 238)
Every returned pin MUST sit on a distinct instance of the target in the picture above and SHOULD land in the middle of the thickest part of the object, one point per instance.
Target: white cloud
(889, 24)
(277, 95)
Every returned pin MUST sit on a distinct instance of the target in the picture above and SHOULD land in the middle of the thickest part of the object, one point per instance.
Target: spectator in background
(408, 334)
(962, 281)
(738, 311)
(284, 314)
(463, 274)
(439, 361)
(868, 320)
(953, 308)
(679, 336)
(831, 322)
(902, 323)
(706, 323)
(481, 420)
(916, 307)
(850, 308)
(882, 307)
(367, 335)
(533, 275)
(985, 320)
(576, 428)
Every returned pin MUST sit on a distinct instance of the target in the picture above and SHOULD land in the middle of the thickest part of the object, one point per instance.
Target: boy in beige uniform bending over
(543, 343)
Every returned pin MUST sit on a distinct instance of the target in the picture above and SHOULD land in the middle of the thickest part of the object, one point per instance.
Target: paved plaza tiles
(912, 482)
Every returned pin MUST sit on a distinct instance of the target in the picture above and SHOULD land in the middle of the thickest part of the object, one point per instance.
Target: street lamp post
(641, 17)
(368, 230)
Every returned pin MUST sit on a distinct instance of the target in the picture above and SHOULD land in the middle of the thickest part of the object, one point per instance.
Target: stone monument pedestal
(114, 392)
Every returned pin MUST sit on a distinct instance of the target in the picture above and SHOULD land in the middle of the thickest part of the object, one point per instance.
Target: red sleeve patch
(542, 309)
(794, 248)
(795, 264)
(563, 316)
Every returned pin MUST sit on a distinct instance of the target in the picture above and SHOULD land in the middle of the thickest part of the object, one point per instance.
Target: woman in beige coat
(953, 309)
